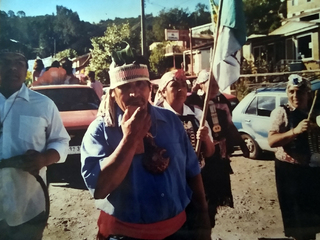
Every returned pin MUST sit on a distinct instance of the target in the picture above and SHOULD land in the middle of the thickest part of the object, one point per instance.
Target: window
(72, 99)
(259, 54)
(290, 49)
(294, 2)
(252, 109)
(310, 17)
(305, 46)
(283, 100)
(265, 105)
(262, 106)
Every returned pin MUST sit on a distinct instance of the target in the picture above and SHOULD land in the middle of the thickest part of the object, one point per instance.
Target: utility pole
(54, 48)
(191, 55)
(143, 33)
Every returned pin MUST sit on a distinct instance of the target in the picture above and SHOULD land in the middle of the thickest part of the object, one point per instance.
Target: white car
(252, 115)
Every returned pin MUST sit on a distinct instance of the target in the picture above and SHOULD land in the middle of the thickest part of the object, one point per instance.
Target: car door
(257, 119)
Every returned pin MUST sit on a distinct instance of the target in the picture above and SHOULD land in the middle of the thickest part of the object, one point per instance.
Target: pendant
(155, 159)
(216, 128)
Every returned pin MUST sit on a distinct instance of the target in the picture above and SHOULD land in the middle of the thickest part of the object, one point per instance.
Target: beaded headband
(128, 73)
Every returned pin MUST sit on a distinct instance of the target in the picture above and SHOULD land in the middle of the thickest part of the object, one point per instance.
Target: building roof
(294, 27)
(256, 36)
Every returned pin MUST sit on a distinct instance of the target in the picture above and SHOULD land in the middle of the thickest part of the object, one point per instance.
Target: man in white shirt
(32, 137)
(96, 85)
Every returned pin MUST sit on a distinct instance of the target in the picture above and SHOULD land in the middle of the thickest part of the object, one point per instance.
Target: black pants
(31, 230)
(299, 198)
(217, 184)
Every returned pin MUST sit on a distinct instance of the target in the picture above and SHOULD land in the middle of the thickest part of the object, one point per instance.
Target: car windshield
(72, 99)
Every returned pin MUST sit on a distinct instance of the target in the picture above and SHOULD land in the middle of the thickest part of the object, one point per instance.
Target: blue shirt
(143, 197)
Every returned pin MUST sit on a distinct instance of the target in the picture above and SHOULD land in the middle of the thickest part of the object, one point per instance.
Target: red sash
(109, 225)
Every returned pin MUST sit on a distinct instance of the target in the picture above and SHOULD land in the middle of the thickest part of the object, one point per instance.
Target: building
(180, 46)
(294, 46)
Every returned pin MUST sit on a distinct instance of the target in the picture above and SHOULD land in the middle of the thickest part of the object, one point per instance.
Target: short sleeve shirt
(143, 197)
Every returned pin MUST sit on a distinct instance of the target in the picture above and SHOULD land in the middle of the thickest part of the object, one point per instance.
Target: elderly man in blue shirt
(139, 165)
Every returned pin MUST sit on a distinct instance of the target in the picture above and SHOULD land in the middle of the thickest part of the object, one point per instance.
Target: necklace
(1, 122)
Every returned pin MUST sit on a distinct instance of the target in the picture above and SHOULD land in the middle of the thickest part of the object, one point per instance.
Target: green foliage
(41, 34)
(173, 19)
(242, 88)
(28, 80)
(158, 63)
(69, 53)
(67, 25)
(64, 30)
(103, 47)
(262, 16)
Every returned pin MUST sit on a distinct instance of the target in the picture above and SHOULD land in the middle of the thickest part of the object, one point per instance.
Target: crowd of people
(62, 72)
(140, 160)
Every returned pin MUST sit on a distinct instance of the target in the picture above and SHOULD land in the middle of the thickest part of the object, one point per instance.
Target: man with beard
(138, 160)
(32, 137)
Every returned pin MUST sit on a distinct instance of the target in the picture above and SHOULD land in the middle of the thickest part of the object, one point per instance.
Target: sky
(95, 10)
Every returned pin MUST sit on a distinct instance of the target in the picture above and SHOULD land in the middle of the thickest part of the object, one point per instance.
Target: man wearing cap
(32, 137)
(216, 173)
(297, 170)
(138, 160)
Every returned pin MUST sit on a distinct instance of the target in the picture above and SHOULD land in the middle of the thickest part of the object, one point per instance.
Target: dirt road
(256, 213)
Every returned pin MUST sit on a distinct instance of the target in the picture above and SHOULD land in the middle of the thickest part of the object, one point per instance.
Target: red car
(78, 107)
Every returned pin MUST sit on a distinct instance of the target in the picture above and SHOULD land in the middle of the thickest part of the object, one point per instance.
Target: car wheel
(254, 149)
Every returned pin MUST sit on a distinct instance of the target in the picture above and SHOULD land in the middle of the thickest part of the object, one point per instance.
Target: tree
(200, 16)
(21, 14)
(262, 16)
(69, 53)
(103, 46)
(66, 25)
(174, 18)
(158, 63)
(11, 14)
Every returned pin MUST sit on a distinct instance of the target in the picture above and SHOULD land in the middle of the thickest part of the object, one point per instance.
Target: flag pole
(211, 77)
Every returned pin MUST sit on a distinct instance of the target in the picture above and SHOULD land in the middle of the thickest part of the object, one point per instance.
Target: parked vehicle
(78, 106)
(252, 115)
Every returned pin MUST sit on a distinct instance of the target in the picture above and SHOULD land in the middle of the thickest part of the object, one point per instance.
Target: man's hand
(33, 161)
(203, 133)
(137, 124)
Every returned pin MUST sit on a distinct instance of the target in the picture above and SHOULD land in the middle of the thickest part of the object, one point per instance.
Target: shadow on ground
(67, 173)
(264, 156)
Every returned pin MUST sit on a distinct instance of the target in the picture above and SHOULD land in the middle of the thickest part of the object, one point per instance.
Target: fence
(250, 82)
(283, 76)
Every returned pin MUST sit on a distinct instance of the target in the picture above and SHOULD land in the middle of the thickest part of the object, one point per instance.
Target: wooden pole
(211, 78)
(313, 103)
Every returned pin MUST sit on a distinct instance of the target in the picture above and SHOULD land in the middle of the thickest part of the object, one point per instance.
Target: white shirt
(187, 111)
(33, 122)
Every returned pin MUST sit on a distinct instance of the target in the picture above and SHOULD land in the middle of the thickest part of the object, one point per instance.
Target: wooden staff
(313, 103)
(211, 78)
